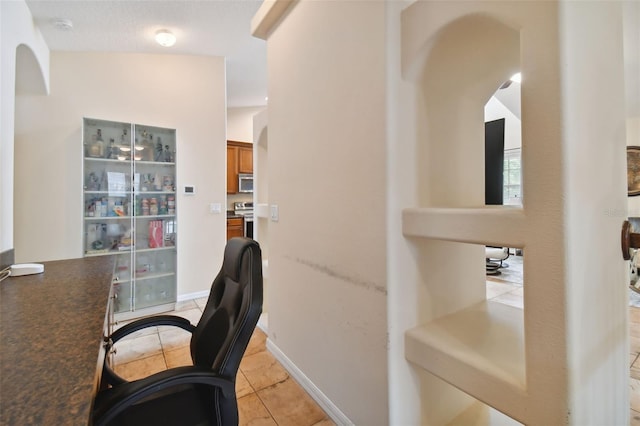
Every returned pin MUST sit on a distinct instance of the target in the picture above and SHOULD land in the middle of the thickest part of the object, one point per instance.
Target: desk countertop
(51, 325)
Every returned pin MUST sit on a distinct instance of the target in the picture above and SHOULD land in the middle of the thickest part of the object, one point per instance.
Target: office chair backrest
(232, 311)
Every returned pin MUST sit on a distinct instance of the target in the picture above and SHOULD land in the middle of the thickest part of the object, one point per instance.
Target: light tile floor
(267, 395)
(507, 288)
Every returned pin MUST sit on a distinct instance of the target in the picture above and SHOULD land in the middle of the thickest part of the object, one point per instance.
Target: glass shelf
(110, 160)
(126, 193)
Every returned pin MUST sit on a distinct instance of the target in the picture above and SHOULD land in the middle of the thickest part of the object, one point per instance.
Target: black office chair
(204, 393)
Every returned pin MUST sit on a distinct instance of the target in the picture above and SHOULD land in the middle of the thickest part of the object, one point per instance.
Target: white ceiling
(202, 27)
(221, 28)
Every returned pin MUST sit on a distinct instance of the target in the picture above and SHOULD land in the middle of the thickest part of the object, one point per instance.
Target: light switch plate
(275, 215)
(215, 208)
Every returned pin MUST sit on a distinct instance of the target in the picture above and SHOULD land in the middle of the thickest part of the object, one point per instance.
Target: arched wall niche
(456, 67)
(30, 78)
(465, 63)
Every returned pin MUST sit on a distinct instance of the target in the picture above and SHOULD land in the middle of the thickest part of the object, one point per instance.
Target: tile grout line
(164, 351)
(265, 405)
(164, 354)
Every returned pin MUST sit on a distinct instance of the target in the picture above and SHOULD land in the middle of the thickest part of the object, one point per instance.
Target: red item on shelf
(155, 234)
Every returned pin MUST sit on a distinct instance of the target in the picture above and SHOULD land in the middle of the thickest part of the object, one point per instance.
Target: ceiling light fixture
(517, 77)
(165, 38)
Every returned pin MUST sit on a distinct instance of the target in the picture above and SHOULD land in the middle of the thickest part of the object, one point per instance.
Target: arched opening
(29, 77)
(504, 106)
(463, 65)
(469, 59)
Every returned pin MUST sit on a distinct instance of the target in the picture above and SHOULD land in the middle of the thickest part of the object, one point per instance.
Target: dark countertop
(51, 326)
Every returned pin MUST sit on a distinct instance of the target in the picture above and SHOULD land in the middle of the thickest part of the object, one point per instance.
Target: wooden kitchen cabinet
(239, 160)
(235, 227)
(245, 159)
(232, 169)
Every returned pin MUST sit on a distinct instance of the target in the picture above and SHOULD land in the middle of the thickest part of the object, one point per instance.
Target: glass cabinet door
(130, 211)
(154, 217)
(122, 284)
(106, 187)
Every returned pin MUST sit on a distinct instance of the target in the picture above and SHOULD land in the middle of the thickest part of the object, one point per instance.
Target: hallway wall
(327, 273)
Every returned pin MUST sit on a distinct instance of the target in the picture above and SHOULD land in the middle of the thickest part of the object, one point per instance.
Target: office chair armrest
(112, 402)
(111, 377)
(134, 326)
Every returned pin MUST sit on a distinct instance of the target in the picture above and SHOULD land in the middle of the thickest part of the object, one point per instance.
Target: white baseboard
(325, 403)
(196, 295)
(263, 323)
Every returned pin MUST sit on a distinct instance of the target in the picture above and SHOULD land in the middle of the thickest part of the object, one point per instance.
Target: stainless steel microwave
(245, 182)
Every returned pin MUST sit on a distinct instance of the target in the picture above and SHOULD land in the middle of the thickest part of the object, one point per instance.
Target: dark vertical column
(493, 161)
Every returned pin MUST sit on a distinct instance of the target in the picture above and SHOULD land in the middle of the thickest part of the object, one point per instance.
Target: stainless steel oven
(248, 226)
(245, 209)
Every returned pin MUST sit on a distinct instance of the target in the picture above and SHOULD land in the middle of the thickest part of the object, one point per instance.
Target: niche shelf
(481, 414)
(502, 226)
(480, 350)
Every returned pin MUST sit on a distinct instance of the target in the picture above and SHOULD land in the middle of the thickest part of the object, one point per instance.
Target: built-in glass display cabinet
(129, 181)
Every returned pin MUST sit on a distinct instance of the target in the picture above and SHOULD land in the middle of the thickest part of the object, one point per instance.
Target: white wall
(596, 278)
(16, 29)
(144, 89)
(261, 176)
(261, 195)
(495, 110)
(240, 123)
(327, 274)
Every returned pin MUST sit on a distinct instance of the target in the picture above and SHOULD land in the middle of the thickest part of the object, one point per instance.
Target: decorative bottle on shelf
(125, 146)
(112, 153)
(142, 148)
(159, 154)
(96, 149)
(100, 144)
(148, 149)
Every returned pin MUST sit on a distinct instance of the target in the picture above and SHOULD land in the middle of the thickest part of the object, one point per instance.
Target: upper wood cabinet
(232, 169)
(239, 160)
(245, 159)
